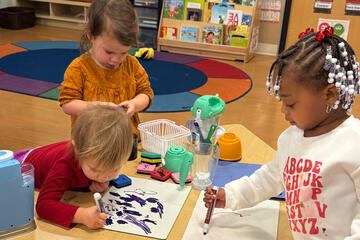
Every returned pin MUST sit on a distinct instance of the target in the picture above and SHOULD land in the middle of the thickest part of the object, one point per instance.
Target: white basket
(158, 135)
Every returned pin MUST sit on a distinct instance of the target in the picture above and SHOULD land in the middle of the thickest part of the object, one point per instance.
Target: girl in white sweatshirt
(318, 156)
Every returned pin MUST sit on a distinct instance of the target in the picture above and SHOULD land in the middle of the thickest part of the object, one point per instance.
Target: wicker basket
(17, 17)
(158, 135)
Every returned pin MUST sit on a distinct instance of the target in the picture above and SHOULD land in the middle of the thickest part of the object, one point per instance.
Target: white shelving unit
(61, 13)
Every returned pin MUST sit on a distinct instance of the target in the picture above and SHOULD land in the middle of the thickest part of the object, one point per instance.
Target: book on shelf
(219, 12)
(193, 14)
(193, 9)
(227, 29)
(246, 20)
(239, 2)
(189, 33)
(168, 32)
(240, 37)
(174, 9)
(248, 2)
(211, 34)
(233, 17)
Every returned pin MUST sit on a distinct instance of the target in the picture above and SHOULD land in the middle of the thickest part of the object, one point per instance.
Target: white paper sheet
(258, 222)
(146, 207)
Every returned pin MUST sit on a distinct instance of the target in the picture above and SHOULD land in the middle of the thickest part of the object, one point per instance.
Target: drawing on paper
(147, 207)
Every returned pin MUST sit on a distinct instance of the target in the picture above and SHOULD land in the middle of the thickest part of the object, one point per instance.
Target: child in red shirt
(101, 144)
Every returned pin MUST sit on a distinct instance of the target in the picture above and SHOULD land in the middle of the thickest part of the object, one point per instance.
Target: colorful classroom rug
(37, 69)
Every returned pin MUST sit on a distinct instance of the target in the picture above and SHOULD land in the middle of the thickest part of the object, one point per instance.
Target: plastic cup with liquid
(206, 157)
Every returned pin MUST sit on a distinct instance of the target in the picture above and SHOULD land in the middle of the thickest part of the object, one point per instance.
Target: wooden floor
(30, 121)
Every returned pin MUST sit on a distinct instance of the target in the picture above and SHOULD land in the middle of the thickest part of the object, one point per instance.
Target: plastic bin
(158, 135)
(17, 17)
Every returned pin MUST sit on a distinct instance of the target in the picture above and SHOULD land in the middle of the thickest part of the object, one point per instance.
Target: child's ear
(88, 35)
(331, 94)
(73, 143)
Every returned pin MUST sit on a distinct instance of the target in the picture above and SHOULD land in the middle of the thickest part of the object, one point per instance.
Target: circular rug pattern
(37, 69)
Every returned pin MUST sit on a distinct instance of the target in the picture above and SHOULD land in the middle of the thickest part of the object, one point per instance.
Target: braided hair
(324, 58)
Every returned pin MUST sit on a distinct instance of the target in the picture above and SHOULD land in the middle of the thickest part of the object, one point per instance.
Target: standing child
(106, 74)
(101, 144)
(317, 161)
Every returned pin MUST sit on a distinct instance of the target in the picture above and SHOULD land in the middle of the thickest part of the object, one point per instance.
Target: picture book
(168, 32)
(240, 37)
(239, 2)
(227, 29)
(193, 14)
(174, 9)
(211, 3)
(188, 33)
(211, 34)
(246, 20)
(248, 2)
(219, 12)
(234, 17)
(193, 9)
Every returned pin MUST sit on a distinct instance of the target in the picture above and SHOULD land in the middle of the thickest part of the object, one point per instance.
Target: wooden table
(254, 151)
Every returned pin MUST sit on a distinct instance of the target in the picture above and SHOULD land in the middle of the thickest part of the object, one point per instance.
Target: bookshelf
(198, 47)
(61, 13)
(148, 12)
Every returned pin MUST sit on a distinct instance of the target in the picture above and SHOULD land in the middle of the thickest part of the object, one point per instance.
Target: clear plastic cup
(27, 172)
(206, 157)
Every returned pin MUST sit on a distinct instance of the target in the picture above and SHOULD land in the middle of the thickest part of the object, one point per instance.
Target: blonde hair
(117, 17)
(104, 134)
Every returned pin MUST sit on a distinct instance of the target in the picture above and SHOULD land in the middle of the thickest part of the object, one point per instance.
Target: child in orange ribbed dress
(105, 73)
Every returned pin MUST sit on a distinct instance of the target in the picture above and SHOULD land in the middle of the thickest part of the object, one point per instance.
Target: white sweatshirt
(321, 176)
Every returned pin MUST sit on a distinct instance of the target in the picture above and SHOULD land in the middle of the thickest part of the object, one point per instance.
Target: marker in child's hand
(99, 202)
(210, 211)
(125, 107)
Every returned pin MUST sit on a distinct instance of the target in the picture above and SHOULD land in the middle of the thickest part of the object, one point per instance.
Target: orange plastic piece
(230, 147)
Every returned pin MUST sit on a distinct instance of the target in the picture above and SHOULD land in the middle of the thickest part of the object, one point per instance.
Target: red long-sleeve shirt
(56, 171)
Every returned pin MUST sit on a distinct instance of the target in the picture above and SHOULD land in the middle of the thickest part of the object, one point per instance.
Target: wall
(303, 16)
(6, 3)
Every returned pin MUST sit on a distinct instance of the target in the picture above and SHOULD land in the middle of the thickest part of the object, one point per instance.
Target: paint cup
(177, 159)
(230, 147)
(206, 157)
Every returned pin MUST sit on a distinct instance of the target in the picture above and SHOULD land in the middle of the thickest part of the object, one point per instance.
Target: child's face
(97, 174)
(302, 106)
(108, 51)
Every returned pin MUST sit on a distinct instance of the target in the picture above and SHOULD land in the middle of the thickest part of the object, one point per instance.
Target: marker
(99, 202)
(210, 211)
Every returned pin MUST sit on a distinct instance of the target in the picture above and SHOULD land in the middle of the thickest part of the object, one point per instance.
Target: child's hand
(220, 197)
(98, 187)
(129, 106)
(90, 217)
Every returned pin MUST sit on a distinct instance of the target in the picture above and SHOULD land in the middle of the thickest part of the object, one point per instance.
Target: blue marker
(99, 202)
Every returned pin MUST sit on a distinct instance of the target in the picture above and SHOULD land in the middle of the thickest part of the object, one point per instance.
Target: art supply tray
(158, 135)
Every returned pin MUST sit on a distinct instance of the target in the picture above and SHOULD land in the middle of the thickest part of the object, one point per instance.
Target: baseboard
(267, 49)
(60, 24)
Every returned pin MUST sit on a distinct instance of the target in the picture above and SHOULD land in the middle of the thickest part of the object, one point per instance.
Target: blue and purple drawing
(132, 207)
